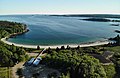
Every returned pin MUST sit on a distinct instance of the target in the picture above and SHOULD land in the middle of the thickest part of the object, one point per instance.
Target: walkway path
(14, 69)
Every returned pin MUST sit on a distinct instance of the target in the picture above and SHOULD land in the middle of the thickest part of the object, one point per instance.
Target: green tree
(19, 72)
(38, 47)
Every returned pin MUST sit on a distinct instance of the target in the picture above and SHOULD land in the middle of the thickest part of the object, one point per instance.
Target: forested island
(94, 17)
(118, 31)
(90, 15)
(97, 19)
(102, 20)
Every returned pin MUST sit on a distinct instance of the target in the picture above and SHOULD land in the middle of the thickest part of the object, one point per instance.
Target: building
(30, 61)
(37, 61)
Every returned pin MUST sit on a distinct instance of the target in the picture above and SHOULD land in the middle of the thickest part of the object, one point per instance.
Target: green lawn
(114, 49)
(4, 72)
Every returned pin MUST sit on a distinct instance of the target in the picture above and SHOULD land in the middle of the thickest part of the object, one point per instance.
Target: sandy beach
(55, 46)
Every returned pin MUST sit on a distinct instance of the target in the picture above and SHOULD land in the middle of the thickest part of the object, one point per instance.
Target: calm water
(51, 30)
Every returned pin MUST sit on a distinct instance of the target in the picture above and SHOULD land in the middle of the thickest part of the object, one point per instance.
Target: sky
(59, 6)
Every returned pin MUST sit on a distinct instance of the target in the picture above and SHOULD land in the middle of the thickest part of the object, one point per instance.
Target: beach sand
(55, 46)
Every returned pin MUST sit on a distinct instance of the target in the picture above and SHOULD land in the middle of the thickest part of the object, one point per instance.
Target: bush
(19, 72)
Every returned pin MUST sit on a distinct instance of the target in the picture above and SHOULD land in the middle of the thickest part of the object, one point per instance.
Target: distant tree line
(90, 15)
(98, 19)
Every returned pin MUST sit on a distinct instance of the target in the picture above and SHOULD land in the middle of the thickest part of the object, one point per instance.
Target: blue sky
(59, 6)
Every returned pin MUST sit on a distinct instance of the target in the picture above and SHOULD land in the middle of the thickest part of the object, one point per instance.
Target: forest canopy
(10, 54)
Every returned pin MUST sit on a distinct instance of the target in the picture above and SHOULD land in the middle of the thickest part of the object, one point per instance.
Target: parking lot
(40, 71)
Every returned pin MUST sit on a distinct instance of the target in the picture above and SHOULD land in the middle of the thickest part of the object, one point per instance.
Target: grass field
(114, 49)
(5, 72)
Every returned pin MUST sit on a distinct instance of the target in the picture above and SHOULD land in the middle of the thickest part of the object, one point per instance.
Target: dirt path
(35, 54)
(14, 69)
(20, 65)
(32, 54)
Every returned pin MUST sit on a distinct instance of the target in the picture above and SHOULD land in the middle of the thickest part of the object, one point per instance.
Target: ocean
(58, 30)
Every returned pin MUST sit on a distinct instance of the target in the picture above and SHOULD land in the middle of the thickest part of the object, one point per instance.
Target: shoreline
(96, 43)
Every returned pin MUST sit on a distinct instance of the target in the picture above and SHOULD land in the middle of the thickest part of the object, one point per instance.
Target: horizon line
(59, 13)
